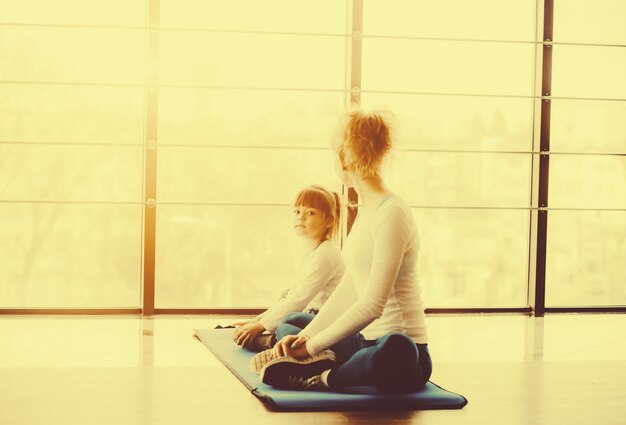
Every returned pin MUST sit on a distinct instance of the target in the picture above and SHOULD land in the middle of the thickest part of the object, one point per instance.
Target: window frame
(538, 209)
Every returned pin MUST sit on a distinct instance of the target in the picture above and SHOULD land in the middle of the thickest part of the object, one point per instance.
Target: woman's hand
(292, 346)
(245, 334)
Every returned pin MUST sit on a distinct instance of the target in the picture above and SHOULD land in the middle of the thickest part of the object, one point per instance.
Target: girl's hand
(246, 333)
(292, 346)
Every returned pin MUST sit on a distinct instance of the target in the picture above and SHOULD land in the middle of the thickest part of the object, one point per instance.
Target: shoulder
(328, 251)
(394, 221)
(395, 209)
(328, 248)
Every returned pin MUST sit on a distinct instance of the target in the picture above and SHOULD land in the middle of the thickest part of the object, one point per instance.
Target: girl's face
(309, 222)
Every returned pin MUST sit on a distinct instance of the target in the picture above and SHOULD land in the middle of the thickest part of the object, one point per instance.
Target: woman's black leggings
(393, 362)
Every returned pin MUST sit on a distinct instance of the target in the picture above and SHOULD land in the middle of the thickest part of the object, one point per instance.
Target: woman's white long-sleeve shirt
(318, 274)
(379, 293)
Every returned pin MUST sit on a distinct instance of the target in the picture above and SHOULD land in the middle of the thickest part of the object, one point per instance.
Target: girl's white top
(379, 293)
(318, 274)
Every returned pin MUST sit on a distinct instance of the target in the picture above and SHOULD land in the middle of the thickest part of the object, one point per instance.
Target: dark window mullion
(538, 301)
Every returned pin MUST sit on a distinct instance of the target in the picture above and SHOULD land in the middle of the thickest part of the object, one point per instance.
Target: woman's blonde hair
(328, 202)
(366, 139)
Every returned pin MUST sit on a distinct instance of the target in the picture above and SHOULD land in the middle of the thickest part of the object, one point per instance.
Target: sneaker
(260, 360)
(262, 342)
(314, 383)
(289, 373)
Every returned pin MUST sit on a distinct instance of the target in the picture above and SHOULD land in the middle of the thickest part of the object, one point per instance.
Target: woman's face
(338, 160)
(342, 170)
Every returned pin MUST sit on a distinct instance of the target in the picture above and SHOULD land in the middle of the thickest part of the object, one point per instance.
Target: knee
(397, 362)
(397, 351)
(399, 344)
(297, 319)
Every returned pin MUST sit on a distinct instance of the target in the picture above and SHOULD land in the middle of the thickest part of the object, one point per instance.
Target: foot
(314, 383)
(260, 360)
(289, 373)
(262, 342)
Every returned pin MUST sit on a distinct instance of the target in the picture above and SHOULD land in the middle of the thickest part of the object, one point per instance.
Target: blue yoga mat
(236, 359)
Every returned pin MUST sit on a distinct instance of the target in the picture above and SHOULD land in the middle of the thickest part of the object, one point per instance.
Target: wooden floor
(167, 386)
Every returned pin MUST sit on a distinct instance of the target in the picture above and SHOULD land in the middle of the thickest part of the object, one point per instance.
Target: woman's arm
(390, 237)
(337, 303)
(342, 298)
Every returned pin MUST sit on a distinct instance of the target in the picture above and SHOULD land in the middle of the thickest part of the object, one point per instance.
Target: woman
(372, 330)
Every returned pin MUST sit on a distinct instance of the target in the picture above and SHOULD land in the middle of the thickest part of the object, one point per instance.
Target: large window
(245, 114)
(238, 101)
(587, 231)
(71, 153)
(463, 158)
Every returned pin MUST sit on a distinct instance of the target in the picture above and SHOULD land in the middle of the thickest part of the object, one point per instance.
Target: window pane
(72, 55)
(434, 67)
(582, 21)
(70, 173)
(226, 256)
(593, 72)
(81, 12)
(587, 181)
(461, 179)
(219, 59)
(585, 258)
(238, 271)
(40, 113)
(490, 19)
(72, 256)
(463, 123)
(472, 258)
(326, 16)
(588, 126)
(263, 176)
(249, 118)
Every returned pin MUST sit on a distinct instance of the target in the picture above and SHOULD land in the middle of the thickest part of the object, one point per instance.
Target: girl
(316, 219)
(372, 330)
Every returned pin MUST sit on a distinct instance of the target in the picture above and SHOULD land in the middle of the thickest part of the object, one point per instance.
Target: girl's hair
(326, 201)
(366, 141)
